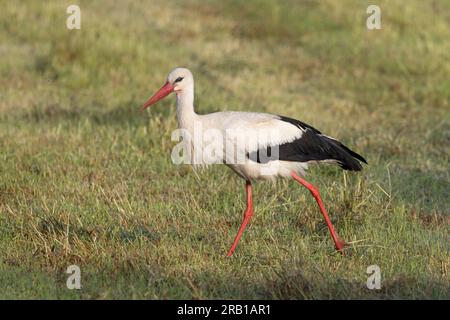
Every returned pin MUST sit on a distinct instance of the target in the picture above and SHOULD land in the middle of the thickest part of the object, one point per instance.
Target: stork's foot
(340, 245)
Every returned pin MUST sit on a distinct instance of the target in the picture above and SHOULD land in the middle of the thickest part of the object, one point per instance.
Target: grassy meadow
(87, 179)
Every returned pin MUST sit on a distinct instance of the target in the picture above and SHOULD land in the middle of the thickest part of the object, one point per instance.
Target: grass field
(86, 179)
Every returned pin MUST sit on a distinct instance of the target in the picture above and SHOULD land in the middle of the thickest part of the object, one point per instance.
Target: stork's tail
(313, 146)
(346, 158)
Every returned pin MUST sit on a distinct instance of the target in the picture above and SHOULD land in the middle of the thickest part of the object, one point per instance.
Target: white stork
(296, 144)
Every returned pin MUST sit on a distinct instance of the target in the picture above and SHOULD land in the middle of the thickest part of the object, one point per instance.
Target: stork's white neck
(185, 108)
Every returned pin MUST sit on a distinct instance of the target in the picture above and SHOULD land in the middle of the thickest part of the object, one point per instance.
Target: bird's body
(231, 124)
(255, 145)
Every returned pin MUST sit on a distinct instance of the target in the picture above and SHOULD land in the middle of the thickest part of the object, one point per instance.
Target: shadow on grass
(428, 190)
(294, 284)
(154, 283)
(151, 280)
(121, 115)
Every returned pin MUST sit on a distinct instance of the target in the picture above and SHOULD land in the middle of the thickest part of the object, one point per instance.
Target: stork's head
(179, 79)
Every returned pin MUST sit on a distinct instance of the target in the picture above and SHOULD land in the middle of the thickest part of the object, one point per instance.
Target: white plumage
(256, 131)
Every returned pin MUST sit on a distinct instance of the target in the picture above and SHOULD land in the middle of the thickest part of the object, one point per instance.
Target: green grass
(86, 179)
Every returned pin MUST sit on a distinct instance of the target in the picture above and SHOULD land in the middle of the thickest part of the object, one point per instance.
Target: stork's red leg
(247, 215)
(315, 192)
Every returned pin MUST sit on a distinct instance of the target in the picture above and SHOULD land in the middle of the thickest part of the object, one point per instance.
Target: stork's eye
(179, 79)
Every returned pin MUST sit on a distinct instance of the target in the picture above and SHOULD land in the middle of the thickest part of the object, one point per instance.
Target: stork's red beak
(165, 90)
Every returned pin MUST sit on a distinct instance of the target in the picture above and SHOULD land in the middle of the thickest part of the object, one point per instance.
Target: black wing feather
(313, 146)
